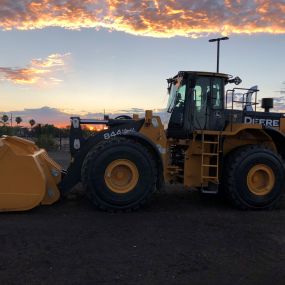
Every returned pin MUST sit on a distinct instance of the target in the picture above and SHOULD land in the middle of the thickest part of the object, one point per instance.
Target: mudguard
(278, 138)
(73, 175)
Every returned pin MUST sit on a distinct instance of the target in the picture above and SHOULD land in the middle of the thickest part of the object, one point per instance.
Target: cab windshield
(176, 94)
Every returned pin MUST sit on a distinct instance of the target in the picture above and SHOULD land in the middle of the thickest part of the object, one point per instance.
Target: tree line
(44, 135)
(5, 119)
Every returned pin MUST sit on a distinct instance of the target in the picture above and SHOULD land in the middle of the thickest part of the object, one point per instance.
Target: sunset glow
(148, 18)
(38, 71)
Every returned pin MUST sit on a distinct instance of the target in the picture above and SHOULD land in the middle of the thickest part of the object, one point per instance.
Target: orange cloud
(156, 18)
(51, 61)
(39, 71)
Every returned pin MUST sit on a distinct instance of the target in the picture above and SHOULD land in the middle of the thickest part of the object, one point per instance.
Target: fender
(73, 174)
(278, 138)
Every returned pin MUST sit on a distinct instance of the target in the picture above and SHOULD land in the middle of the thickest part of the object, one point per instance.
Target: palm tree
(5, 119)
(18, 120)
(32, 123)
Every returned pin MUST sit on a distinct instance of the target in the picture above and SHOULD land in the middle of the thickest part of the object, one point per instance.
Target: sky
(60, 58)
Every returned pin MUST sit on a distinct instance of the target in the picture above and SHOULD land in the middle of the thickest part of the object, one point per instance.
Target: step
(210, 142)
(211, 188)
(210, 165)
(206, 191)
(210, 177)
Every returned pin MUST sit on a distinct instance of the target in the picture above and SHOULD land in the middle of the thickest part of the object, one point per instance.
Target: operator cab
(196, 102)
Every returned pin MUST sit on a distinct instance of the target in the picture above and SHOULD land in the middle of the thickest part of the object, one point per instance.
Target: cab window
(201, 92)
(217, 89)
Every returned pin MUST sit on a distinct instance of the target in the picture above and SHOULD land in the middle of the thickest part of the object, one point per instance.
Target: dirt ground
(180, 238)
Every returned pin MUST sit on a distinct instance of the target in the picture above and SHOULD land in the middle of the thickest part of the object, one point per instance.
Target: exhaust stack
(267, 104)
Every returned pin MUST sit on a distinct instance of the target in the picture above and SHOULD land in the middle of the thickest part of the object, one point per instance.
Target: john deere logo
(265, 122)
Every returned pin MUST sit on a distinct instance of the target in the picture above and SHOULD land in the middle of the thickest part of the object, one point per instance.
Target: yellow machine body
(28, 176)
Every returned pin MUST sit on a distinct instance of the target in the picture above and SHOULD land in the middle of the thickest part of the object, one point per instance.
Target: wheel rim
(121, 176)
(260, 179)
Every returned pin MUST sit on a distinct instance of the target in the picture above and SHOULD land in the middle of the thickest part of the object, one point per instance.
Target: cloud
(155, 18)
(131, 110)
(44, 115)
(52, 60)
(55, 116)
(279, 104)
(50, 115)
(22, 75)
(282, 90)
(38, 71)
(59, 117)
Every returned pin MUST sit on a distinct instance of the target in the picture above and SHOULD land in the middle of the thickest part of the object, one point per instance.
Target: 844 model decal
(118, 133)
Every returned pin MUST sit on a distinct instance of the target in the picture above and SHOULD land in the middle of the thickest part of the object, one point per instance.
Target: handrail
(244, 101)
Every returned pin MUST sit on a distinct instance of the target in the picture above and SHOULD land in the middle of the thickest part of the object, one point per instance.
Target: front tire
(119, 174)
(254, 178)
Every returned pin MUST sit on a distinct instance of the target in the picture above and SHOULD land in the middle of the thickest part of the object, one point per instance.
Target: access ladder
(210, 161)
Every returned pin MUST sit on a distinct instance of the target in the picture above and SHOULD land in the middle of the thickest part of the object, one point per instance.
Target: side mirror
(235, 80)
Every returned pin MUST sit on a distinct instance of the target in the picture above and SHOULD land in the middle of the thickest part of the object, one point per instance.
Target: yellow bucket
(28, 176)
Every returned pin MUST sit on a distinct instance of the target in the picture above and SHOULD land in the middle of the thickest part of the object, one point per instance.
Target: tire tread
(229, 175)
(93, 153)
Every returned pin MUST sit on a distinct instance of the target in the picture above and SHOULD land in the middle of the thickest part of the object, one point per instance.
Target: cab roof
(206, 73)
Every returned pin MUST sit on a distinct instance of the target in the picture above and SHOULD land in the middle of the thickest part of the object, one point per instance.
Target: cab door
(176, 108)
(208, 98)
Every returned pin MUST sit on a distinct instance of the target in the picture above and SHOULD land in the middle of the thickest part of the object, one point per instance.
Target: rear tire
(254, 178)
(119, 175)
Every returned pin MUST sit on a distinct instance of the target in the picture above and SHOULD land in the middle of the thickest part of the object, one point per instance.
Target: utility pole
(218, 49)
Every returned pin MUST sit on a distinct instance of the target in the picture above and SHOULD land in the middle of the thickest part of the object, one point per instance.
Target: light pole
(218, 49)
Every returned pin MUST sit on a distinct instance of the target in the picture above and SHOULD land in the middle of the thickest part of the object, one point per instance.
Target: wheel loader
(217, 140)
